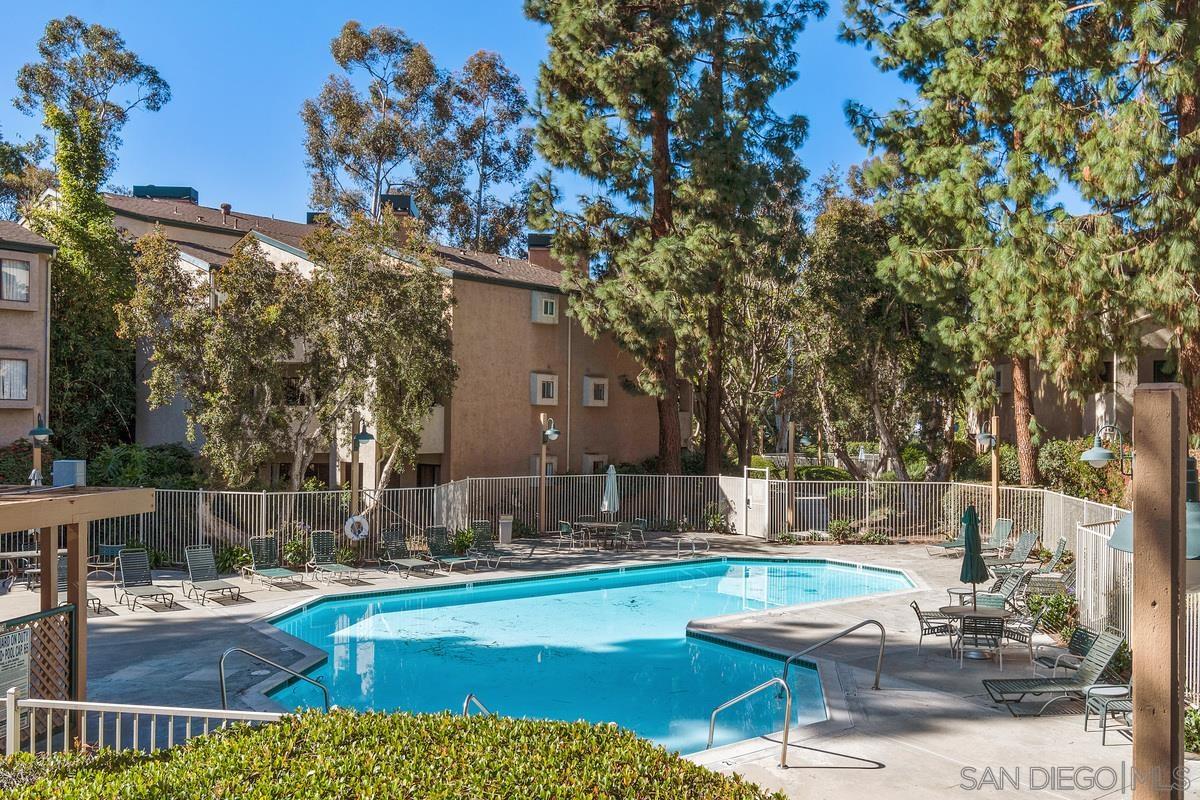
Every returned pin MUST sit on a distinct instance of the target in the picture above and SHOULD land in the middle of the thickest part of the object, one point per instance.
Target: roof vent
(151, 192)
(225, 209)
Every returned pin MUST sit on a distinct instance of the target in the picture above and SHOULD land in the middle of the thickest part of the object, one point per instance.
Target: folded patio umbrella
(611, 502)
(974, 570)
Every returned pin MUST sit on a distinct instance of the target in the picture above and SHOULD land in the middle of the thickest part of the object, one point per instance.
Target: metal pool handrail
(221, 668)
(835, 637)
(471, 698)
(787, 713)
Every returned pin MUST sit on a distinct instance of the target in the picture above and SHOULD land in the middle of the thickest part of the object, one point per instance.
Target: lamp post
(360, 438)
(549, 434)
(986, 441)
(40, 436)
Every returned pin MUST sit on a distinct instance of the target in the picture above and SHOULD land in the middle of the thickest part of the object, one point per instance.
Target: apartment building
(24, 329)
(519, 353)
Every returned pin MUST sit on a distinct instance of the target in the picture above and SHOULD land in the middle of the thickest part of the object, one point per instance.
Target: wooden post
(1157, 636)
(77, 553)
(995, 469)
(48, 563)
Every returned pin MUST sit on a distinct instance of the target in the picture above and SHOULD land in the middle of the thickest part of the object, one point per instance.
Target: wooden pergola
(46, 508)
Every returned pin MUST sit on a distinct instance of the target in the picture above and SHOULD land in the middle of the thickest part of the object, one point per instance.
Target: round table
(972, 611)
(957, 593)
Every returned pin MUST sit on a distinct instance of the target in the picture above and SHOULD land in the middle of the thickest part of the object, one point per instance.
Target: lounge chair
(998, 539)
(136, 583)
(933, 623)
(1056, 558)
(92, 601)
(442, 554)
(1052, 582)
(484, 546)
(203, 578)
(1054, 658)
(946, 546)
(264, 563)
(322, 558)
(1020, 552)
(397, 555)
(1013, 691)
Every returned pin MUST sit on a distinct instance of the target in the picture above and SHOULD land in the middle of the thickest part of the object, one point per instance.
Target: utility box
(505, 526)
(68, 472)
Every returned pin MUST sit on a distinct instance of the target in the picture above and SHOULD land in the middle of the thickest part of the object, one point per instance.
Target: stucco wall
(494, 429)
(23, 336)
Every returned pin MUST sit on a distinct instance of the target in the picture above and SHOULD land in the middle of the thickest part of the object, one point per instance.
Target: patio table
(960, 612)
(10, 558)
(601, 530)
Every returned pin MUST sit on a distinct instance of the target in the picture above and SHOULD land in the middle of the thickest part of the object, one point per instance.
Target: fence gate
(756, 502)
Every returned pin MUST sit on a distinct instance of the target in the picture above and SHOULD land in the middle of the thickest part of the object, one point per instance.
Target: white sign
(15, 648)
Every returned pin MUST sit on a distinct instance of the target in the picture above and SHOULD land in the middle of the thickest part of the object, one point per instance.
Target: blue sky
(239, 72)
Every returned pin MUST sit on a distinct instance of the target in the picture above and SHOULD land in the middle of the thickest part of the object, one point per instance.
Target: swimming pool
(605, 646)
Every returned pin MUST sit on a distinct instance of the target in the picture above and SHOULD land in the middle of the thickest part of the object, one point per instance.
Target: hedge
(375, 755)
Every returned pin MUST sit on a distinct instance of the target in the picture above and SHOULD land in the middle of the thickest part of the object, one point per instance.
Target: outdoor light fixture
(363, 436)
(549, 433)
(40, 434)
(985, 441)
(1100, 456)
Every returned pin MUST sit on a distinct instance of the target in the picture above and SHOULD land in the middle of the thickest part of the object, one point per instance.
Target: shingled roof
(468, 264)
(20, 238)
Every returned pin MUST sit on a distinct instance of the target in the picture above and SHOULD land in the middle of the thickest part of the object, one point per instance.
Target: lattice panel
(49, 671)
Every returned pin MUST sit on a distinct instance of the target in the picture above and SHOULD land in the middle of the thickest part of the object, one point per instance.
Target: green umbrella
(974, 570)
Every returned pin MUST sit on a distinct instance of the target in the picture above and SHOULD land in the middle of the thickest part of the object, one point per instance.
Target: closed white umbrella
(611, 502)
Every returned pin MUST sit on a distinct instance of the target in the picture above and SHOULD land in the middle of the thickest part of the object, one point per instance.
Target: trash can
(506, 522)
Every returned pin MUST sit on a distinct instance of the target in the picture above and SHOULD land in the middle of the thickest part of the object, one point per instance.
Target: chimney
(183, 194)
(538, 245)
(401, 204)
(225, 209)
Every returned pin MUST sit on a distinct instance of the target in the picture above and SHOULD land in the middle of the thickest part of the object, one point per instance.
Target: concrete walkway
(929, 730)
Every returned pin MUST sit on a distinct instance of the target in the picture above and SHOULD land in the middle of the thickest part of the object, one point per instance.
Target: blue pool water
(608, 647)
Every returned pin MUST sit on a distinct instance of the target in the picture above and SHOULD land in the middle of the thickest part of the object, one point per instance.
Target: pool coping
(837, 714)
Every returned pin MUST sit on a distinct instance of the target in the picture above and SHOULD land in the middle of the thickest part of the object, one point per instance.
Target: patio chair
(1107, 701)
(136, 582)
(1022, 630)
(933, 623)
(998, 539)
(264, 563)
(1059, 551)
(640, 526)
(1054, 658)
(485, 547)
(1013, 691)
(1007, 590)
(1020, 552)
(92, 601)
(203, 578)
(397, 555)
(105, 560)
(625, 534)
(570, 535)
(988, 630)
(323, 558)
(442, 554)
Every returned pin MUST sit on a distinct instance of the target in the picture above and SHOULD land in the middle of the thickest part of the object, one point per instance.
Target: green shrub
(1061, 612)
(843, 493)
(346, 555)
(16, 461)
(1060, 469)
(163, 466)
(716, 520)
(840, 530)
(822, 473)
(232, 558)
(462, 540)
(346, 755)
(874, 537)
(295, 548)
(1191, 729)
(157, 558)
(978, 467)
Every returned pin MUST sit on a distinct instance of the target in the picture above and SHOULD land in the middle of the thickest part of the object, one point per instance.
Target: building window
(14, 379)
(294, 395)
(1164, 371)
(594, 463)
(545, 308)
(14, 280)
(595, 391)
(551, 465)
(543, 389)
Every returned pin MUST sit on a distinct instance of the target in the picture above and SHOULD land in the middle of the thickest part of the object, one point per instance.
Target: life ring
(357, 528)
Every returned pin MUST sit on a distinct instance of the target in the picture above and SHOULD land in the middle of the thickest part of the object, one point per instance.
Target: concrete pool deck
(930, 729)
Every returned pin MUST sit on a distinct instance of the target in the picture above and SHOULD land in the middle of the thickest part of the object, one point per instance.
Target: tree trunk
(661, 223)
(832, 440)
(713, 389)
(940, 469)
(888, 448)
(1022, 417)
